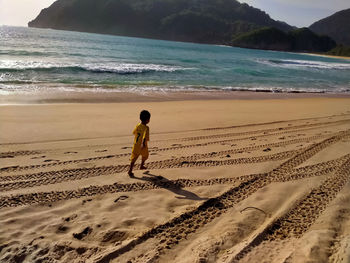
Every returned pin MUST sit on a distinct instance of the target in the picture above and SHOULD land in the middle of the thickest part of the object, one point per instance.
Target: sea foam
(290, 63)
(120, 68)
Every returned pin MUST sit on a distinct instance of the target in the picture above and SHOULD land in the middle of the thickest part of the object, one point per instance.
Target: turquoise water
(32, 60)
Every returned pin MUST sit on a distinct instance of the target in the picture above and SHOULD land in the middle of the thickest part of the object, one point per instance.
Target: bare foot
(142, 167)
(131, 174)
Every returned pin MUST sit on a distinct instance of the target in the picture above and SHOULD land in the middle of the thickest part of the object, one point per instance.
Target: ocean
(45, 60)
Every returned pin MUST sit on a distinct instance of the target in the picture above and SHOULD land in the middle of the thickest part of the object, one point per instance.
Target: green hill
(274, 39)
(265, 38)
(340, 50)
(336, 26)
(206, 21)
(306, 40)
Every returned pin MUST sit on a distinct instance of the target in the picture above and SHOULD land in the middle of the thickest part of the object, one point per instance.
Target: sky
(295, 12)
(300, 13)
(20, 12)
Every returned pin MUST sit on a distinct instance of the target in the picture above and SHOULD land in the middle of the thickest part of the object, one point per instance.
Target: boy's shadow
(169, 185)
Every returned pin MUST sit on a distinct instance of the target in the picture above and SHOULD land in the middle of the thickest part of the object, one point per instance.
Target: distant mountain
(336, 26)
(204, 21)
(301, 40)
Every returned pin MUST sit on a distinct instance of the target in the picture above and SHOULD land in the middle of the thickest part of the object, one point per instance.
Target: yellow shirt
(141, 133)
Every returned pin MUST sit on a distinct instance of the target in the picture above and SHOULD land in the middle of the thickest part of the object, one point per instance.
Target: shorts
(137, 152)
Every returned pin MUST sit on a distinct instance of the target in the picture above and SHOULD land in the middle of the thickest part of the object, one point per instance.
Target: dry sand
(327, 56)
(228, 181)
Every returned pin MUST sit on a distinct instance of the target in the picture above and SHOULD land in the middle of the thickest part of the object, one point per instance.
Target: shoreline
(122, 97)
(326, 56)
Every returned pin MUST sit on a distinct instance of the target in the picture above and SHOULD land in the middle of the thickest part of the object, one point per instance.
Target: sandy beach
(326, 55)
(235, 180)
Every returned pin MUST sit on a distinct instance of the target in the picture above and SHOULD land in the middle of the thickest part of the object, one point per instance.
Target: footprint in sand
(267, 150)
(9, 168)
(113, 236)
(62, 229)
(70, 218)
(82, 234)
(101, 151)
(51, 160)
(38, 157)
(8, 156)
(87, 200)
(122, 197)
(126, 147)
(176, 144)
(153, 153)
(70, 152)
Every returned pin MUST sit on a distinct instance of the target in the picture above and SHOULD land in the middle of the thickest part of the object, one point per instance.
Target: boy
(141, 133)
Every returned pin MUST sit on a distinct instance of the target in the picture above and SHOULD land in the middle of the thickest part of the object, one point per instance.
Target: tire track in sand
(277, 122)
(152, 184)
(296, 174)
(299, 219)
(18, 153)
(286, 129)
(178, 229)
(265, 131)
(77, 174)
(193, 157)
(108, 188)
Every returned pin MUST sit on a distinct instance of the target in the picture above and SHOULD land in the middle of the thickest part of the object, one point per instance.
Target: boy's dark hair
(145, 115)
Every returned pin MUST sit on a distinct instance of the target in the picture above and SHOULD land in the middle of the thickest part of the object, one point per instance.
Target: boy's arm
(147, 134)
(146, 139)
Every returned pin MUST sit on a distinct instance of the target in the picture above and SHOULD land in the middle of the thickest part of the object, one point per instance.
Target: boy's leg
(130, 173)
(133, 159)
(143, 167)
(144, 154)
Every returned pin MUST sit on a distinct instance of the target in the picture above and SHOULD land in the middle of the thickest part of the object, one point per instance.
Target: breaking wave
(116, 68)
(289, 63)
